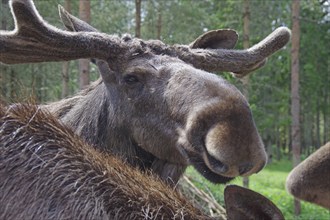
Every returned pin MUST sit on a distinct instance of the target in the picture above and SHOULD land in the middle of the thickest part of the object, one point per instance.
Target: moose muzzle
(224, 137)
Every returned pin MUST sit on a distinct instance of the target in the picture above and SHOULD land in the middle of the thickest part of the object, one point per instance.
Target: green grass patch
(270, 182)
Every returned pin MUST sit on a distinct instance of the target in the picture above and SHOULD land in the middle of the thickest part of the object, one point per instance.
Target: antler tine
(72, 23)
(240, 62)
(33, 40)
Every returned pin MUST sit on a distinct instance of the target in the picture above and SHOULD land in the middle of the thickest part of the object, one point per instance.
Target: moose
(48, 172)
(310, 180)
(155, 106)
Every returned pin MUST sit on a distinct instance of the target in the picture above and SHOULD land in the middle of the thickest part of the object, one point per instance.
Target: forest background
(180, 22)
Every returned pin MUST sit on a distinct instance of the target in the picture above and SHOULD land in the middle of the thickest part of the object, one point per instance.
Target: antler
(240, 62)
(33, 40)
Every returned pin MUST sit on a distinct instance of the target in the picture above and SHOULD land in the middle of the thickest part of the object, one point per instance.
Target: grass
(270, 182)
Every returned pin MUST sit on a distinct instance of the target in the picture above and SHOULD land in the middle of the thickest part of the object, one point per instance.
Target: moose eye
(130, 79)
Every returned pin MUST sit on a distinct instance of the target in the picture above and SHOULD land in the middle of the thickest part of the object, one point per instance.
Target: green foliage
(270, 182)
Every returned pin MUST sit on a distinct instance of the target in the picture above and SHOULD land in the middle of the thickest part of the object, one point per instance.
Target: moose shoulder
(48, 172)
(155, 107)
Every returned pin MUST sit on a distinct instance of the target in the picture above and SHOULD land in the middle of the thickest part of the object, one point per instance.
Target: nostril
(244, 168)
(217, 165)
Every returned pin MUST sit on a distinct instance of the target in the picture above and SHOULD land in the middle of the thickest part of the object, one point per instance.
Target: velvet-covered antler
(33, 40)
(218, 57)
(240, 62)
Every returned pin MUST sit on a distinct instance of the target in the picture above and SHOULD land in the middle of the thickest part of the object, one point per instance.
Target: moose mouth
(200, 165)
(194, 158)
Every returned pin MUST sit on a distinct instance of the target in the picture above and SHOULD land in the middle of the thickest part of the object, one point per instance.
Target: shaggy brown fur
(310, 180)
(154, 107)
(48, 172)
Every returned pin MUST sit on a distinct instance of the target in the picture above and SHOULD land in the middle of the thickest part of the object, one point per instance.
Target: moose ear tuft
(216, 39)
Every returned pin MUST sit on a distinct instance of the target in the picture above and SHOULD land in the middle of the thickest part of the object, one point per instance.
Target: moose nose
(245, 168)
(216, 165)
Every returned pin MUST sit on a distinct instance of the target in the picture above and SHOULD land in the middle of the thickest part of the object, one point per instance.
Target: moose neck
(94, 115)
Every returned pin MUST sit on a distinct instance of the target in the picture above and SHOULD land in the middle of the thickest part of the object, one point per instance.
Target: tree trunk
(138, 18)
(318, 126)
(10, 80)
(65, 79)
(3, 68)
(326, 113)
(13, 89)
(36, 83)
(65, 65)
(3, 87)
(85, 15)
(159, 20)
(246, 44)
(295, 100)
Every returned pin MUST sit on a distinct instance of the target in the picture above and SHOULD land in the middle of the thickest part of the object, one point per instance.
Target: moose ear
(224, 39)
(242, 203)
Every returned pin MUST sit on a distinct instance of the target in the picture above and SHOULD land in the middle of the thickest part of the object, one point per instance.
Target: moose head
(155, 106)
(310, 180)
